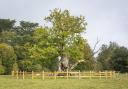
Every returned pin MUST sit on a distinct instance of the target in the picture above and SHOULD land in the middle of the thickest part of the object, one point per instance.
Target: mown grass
(7, 82)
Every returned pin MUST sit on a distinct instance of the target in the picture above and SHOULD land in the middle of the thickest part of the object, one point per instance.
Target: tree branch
(93, 53)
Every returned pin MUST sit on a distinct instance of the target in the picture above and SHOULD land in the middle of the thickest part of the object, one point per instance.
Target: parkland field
(121, 82)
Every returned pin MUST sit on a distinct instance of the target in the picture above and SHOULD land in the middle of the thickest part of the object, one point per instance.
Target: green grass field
(7, 82)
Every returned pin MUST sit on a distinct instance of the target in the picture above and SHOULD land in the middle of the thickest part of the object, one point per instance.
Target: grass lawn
(7, 82)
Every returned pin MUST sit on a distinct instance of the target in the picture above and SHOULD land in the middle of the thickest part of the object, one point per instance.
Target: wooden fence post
(67, 74)
(79, 74)
(23, 74)
(32, 75)
(90, 74)
(114, 76)
(12, 73)
(106, 74)
(43, 75)
(110, 74)
(19, 73)
(17, 76)
(55, 74)
(100, 74)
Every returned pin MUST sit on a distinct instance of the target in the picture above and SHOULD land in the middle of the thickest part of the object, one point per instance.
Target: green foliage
(15, 67)
(105, 55)
(2, 70)
(113, 57)
(37, 67)
(79, 50)
(21, 52)
(119, 59)
(7, 37)
(25, 28)
(6, 24)
(25, 65)
(44, 51)
(7, 57)
(65, 27)
(88, 65)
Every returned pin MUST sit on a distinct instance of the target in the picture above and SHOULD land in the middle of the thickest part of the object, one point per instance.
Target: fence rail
(68, 74)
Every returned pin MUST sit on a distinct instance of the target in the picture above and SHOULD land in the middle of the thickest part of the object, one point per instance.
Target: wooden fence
(57, 75)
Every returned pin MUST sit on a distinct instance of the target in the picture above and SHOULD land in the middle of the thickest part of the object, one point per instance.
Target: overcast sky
(107, 19)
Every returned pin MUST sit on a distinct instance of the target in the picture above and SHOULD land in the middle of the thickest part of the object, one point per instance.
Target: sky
(107, 19)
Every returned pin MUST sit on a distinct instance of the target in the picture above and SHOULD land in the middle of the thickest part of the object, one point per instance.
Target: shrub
(2, 70)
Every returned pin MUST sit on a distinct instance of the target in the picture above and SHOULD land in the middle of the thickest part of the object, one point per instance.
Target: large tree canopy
(65, 27)
(66, 32)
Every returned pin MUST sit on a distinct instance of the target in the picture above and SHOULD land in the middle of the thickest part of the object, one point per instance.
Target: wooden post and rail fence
(67, 75)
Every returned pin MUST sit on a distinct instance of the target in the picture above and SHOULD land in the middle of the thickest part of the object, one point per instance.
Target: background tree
(113, 57)
(105, 55)
(119, 60)
(7, 57)
(44, 51)
(23, 40)
(26, 28)
(6, 24)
